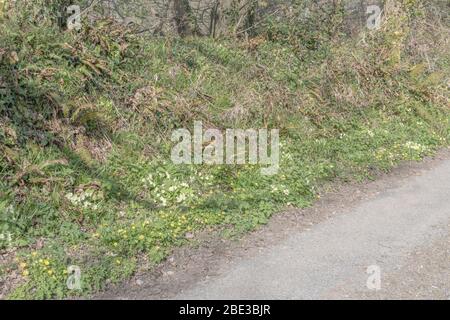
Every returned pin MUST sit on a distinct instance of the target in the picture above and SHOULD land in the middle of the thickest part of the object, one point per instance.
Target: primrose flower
(181, 198)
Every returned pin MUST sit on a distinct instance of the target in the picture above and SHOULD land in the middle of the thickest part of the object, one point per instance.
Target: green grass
(85, 173)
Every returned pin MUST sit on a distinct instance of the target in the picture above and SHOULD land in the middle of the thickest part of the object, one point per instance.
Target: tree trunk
(182, 12)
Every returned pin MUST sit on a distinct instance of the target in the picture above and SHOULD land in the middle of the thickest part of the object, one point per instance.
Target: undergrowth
(86, 117)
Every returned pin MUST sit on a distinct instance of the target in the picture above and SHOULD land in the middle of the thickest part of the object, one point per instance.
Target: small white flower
(181, 198)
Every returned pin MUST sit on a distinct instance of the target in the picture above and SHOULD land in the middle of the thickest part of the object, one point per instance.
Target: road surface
(387, 239)
(397, 245)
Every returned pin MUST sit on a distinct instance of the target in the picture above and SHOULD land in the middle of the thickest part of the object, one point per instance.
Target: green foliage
(86, 118)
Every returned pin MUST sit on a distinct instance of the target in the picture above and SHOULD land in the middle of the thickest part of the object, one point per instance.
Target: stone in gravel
(189, 235)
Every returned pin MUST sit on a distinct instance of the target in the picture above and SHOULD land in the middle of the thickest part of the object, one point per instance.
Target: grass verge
(86, 120)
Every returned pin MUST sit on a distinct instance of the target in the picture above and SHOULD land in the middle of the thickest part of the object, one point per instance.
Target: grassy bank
(86, 119)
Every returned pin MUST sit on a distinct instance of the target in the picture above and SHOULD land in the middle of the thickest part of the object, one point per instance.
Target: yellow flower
(115, 244)
(23, 265)
(46, 262)
(141, 237)
(118, 261)
(50, 272)
(25, 273)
